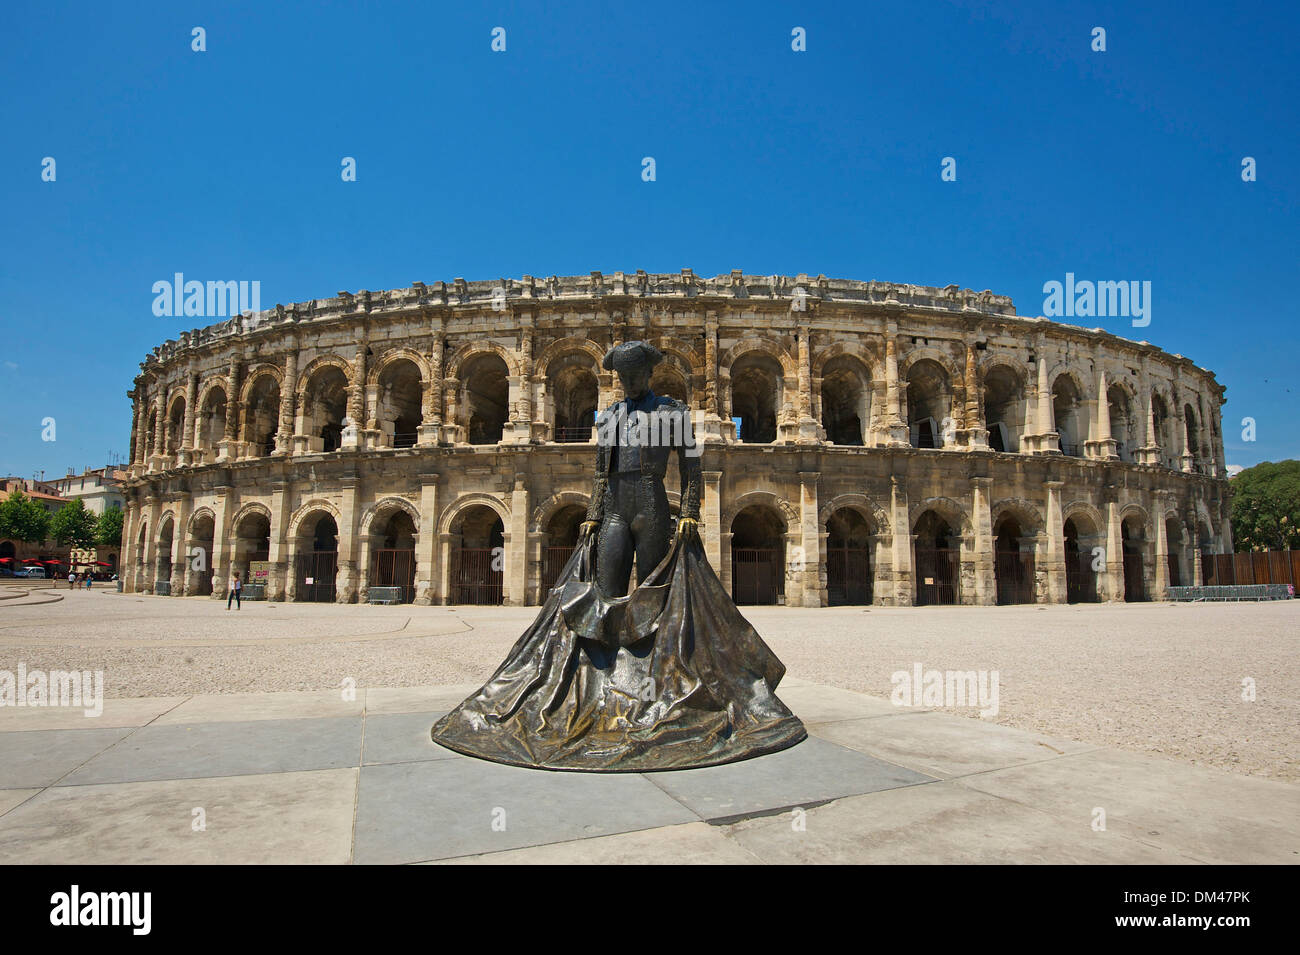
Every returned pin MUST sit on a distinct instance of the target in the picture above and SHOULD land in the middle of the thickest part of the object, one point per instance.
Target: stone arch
(843, 397)
(476, 349)
(876, 515)
(552, 505)
(684, 358)
(467, 501)
(1066, 369)
(400, 353)
(1013, 362)
(1026, 512)
(947, 508)
(1091, 513)
(308, 508)
(384, 507)
(252, 507)
(200, 513)
(939, 356)
(566, 346)
(1140, 512)
(313, 367)
(763, 346)
(254, 374)
(763, 499)
(208, 385)
(862, 351)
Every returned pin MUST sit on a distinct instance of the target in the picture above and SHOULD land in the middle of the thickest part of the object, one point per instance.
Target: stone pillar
(345, 581)
(1149, 453)
(521, 386)
(902, 534)
(1047, 440)
(711, 520)
(1055, 535)
(139, 426)
(222, 546)
(288, 400)
(1161, 569)
(516, 569)
(986, 588)
(365, 544)
(452, 430)
(181, 543)
(895, 427)
(1102, 445)
(807, 431)
(279, 576)
(130, 531)
(356, 416)
(426, 593)
(813, 576)
(185, 449)
(711, 429)
(445, 543)
(1114, 554)
(976, 435)
(1198, 570)
(157, 454)
(429, 434)
(228, 449)
(154, 504)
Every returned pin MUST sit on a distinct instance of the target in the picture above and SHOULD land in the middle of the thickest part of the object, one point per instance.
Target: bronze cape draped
(669, 677)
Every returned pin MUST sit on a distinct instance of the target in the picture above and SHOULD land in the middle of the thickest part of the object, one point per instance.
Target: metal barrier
(385, 595)
(1233, 592)
(162, 588)
(253, 592)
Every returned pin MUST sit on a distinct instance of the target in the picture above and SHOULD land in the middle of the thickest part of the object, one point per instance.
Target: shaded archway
(561, 538)
(936, 557)
(477, 556)
(849, 573)
(1004, 408)
(199, 555)
(251, 550)
(1081, 565)
(758, 556)
(1013, 563)
(929, 403)
(1192, 437)
(392, 552)
(1123, 423)
(176, 426)
(324, 406)
(1164, 434)
(668, 380)
(757, 384)
(487, 398)
(845, 400)
(573, 389)
(399, 406)
(1133, 538)
(1174, 551)
(1067, 415)
(162, 576)
(316, 561)
(212, 422)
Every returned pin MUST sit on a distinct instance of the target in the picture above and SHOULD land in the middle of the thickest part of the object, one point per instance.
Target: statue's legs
(635, 526)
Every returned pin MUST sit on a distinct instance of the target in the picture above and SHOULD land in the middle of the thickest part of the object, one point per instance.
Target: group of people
(76, 579)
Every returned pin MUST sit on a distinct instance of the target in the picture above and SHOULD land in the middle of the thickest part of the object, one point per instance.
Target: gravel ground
(1162, 679)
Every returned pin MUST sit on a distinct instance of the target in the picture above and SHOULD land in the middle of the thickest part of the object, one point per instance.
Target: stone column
(445, 544)
(1149, 453)
(426, 593)
(157, 457)
(895, 427)
(288, 399)
(345, 581)
(521, 386)
(1102, 445)
(452, 430)
(813, 576)
(976, 435)
(902, 534)
(1114, 579)
(1047, 440)
(222, 547)
(1161, 569)
(365, 543)
(355, 421)
(986, 588)
(279, 576)
(711, 519)
(139, 426)
(154, 504)
(1198, 570)
(429, 434)
(130, 530)
(807, 431)
(1055, 534)
(229, 449)
(711, 429)
(185, 449)
(516, 569)
(181, 543)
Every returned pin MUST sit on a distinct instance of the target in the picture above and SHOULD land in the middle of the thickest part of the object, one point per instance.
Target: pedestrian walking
(72, 580)
(236, 587)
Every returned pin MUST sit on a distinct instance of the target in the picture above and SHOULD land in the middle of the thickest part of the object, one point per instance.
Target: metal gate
(756, 576)
(1175, 571)
(1134, 588)
(936, 577)
(473, 581)
(394, 567)
(315, 574)
(848, 576)
(553, 562)
(1080, 579)
(1015, 577)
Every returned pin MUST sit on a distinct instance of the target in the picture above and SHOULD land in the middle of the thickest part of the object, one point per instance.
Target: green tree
(1266, 507)
(73, 525)
(23, 519)
(109, 532)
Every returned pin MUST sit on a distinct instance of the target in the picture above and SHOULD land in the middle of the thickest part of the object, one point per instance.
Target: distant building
(99, 490)
(15, 554)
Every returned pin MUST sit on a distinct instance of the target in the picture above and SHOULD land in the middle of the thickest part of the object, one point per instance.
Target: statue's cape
(670, 677)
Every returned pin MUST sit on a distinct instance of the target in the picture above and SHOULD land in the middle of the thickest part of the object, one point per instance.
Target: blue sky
(226, 165)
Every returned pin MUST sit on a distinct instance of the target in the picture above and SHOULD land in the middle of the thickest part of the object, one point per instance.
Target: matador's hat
(630, 355)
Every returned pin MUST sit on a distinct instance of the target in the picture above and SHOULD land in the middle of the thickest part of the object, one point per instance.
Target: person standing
(72, 580)
(236, 587)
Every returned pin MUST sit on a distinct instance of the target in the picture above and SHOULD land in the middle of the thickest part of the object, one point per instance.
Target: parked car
(31, 572)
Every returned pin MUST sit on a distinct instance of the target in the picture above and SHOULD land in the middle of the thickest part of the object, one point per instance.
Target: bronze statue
(670, 676)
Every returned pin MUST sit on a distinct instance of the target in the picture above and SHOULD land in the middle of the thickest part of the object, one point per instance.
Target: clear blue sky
(225, 165)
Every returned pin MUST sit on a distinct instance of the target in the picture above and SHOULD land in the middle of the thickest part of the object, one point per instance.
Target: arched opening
(202, 532)
(1192, 436)
(1174, 551)
(324, 406)
(1133, 538)
(929, 403)
(561, 539)
(846, 400)
(478, 557)
(668, 381)
(936, 549)
(487, 398)
(1209, 563)
(573, 388)
(176, 426)
(151, 433)
(399, 409)
(758, 556)
(1123, 423)
(252, 552)
(212, 422)
(392, 553)
(316, 562)
(1081, 566)
(1004, 408)
(262, 415)
(849, 541)
(1067, 414)
(1013, 563)
(162, 577)
(757, 386)
(1164, 435)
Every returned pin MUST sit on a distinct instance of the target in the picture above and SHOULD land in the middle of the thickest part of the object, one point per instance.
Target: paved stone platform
(309, 777)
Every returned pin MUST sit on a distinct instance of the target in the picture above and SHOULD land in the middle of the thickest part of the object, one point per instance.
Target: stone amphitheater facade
(862, 442)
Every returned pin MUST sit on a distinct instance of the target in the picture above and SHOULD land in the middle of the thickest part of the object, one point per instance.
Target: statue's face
(636, 381)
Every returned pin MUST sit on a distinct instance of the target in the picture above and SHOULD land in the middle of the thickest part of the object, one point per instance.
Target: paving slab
(13, 797)
(940, 824)
(811, 772)
(402, 738)
(244, 707)
(225, 749)
(1204, 814)
(281, 819)
(126, 711)
(436, 809)
(823, 704)
(695, 843)
(37, 758)
(417, 699)
(943, 745)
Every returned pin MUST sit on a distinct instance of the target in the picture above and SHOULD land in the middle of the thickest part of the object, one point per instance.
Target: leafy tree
(109, 532)
(23, 519)
(73, 525)
(1266, 507)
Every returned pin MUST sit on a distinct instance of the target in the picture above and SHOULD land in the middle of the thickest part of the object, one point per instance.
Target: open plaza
(298, 732)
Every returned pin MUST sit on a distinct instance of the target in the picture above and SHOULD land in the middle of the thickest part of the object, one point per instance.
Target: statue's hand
(589, 527)
(687, 525)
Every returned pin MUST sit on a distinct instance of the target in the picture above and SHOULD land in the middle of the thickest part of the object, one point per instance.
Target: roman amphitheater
(862, 443)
